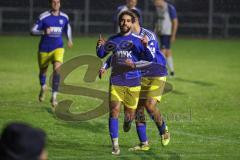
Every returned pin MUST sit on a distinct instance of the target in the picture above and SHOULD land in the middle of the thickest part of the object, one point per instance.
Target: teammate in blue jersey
(166, 27)
(124, 81)
(152, 85)
(130, 4)
(50, 26)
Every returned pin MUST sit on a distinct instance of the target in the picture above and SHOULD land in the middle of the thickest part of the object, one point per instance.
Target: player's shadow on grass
(207, 84)
(77, 145)
(168, 88)
(154, 155)
(49, 110)
(178, 92)
(95, 127)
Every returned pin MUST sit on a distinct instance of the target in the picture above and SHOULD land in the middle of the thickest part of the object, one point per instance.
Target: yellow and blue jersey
(157, 67)
(58, 25)
(125, 47)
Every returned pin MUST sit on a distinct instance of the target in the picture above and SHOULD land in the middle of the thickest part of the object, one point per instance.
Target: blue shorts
(165, 41)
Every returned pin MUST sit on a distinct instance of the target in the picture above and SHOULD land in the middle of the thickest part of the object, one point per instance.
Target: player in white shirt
(166, 27)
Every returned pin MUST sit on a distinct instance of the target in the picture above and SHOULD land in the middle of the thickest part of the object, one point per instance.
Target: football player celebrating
(153, 78)
(124, 81)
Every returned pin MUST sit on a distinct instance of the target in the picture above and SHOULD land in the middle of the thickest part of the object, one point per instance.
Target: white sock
(115, 141)
(44, 86)
(145, 143)
(54, 95)
(170, 63)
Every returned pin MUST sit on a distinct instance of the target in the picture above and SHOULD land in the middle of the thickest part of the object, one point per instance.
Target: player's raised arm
(100, 41)
(148, 53)
(144, 40)
(101, 53)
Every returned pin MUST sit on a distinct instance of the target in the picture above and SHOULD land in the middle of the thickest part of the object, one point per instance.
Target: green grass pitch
(202, 111)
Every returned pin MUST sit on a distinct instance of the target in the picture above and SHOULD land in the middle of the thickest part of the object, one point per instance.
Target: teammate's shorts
(152, 87)
(129, 96)
(44, 58)
(165, 41)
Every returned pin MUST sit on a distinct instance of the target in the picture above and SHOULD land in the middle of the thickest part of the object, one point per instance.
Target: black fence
(204, 18)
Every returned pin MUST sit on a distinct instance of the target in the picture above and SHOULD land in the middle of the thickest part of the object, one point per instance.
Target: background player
(124, 82)
(130, 4)
(50, 26)
(166, 27)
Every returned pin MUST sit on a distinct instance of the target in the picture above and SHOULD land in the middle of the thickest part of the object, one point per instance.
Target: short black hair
(136, 13)
(50, 1)
(129, 13)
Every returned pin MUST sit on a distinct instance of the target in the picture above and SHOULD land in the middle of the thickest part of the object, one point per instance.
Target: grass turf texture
(202, 110)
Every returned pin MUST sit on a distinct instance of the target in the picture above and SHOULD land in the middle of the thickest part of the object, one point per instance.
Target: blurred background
(202, 18)
(202, 110)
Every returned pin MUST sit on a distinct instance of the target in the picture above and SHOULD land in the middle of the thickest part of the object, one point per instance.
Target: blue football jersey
(125, 47)
(158, 67)
(58, 25)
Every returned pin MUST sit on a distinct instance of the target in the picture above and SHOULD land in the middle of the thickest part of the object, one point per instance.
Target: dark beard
(124, 31)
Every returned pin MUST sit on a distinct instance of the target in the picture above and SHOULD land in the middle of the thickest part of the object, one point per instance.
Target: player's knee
(114, 113)
(139, 119)
(57, 66)
(151, 110)
(129, 117)
(168, 53)
(150, 104)
(140, 123)
(43, 70)
(57, 70)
